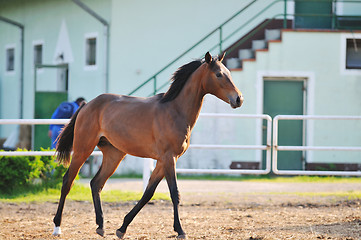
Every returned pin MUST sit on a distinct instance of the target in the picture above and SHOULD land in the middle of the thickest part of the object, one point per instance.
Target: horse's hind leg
(68, 179)
(82, 147)
(154, 180)
(111, 160)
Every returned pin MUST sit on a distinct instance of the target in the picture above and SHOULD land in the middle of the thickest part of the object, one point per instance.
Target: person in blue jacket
(64, 111)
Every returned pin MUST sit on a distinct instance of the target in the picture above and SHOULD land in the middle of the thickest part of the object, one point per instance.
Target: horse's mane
(179, 79)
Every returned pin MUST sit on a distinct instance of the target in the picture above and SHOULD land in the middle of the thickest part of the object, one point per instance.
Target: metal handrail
(192, 47)
(222, 39)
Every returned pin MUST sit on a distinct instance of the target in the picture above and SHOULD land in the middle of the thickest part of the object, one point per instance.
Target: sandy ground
(209, 210)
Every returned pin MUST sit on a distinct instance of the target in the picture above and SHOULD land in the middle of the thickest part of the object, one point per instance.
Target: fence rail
(271, 147)
(35, 122)
(277, 148)
(266, 147)
(148, 163)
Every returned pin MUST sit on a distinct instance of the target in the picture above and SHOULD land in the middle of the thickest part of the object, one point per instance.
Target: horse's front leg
(171, 178)
(155, 178)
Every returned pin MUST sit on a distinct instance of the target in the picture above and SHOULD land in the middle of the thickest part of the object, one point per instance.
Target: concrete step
(249, 54)
(233, 63)
(245, 54)
(259, 44)
(272, 34)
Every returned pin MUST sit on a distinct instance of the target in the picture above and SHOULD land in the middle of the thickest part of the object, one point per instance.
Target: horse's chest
(182, 144)
(177, 143)
(174, 135)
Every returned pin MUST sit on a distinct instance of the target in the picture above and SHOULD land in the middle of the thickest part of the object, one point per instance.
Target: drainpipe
(21, 114)
(106, 42)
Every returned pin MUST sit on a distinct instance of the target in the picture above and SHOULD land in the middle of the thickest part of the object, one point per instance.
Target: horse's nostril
(238, 101)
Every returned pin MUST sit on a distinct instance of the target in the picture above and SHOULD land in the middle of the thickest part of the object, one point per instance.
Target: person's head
(80, 100)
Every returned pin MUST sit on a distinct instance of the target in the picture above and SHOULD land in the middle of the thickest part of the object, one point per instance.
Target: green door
(45, 105)
(313, 14)
(286, 98)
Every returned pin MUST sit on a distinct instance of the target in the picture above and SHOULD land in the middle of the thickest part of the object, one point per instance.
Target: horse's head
(218, 81)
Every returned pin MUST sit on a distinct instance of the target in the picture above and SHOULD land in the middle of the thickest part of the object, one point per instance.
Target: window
(350, 53)
(353, 53)
(90, 51)
(10, 59)
(38, 54)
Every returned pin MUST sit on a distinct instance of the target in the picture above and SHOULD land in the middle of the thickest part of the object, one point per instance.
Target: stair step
(259, 44)
(272, 34)
(233, 63)
(245, 54)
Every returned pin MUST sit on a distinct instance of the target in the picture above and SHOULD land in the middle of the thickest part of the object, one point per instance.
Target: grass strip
(77, 193)
(267, 178)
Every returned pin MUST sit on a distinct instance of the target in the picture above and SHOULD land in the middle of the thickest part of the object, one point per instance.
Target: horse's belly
(138, 151)
(139, 147)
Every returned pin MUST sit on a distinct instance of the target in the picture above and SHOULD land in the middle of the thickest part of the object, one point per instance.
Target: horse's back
(127, 122)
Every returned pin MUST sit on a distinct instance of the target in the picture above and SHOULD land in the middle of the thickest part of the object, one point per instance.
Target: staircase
(256, 40)
(153, 81)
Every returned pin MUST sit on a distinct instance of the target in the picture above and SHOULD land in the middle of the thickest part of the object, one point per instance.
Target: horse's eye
(218, 75)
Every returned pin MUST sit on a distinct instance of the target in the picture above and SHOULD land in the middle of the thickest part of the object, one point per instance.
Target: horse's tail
(65, 140)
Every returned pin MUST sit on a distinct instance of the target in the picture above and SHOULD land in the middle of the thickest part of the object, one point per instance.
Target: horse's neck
(190, 99)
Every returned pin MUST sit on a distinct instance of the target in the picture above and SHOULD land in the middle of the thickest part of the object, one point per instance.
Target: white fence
(266, 147)
(148, 163)
(277, 148)
(271, 145)
(34, 122)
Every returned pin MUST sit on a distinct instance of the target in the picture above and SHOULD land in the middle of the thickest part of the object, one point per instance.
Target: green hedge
(20, 171)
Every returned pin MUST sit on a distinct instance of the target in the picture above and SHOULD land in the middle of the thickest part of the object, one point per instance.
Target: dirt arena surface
(249, 211)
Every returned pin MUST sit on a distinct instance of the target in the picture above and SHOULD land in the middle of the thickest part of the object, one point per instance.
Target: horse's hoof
(120, 234)
(57, 231)
(100, 231)
(182, 236)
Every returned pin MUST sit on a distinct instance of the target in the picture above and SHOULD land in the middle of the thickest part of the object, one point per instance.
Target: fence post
(147, 169)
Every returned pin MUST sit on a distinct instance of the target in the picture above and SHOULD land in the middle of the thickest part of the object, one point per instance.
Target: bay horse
(158, 127)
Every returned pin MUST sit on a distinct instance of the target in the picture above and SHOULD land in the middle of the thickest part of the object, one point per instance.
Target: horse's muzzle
(236, 102)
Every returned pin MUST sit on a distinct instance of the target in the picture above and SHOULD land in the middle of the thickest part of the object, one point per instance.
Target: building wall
(331, 90)
(318, 57)
(9, 81)
(146, 35)
(59, 26)
(43, 21)
(143, 41)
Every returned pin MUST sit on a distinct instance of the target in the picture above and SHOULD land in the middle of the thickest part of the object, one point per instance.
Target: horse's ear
(208, 57)
(220, 58)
